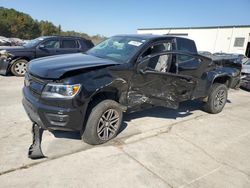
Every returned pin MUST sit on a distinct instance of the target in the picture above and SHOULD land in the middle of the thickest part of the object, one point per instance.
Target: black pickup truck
(88, 92)
(14, 59)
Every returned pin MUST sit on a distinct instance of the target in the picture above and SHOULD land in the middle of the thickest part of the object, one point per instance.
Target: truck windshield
(34, 42)
(118, 48)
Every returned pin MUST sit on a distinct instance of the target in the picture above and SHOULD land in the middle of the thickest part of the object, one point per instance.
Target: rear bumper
(4, 66)
(235, 82)
(245, 81)
(51, 117)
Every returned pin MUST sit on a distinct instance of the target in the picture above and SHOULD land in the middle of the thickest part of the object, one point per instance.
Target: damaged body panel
(6, 60)
(4, 66)
(160, 89)
(133, 71)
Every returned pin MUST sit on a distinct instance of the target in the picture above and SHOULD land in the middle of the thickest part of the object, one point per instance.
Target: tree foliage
(21, 25)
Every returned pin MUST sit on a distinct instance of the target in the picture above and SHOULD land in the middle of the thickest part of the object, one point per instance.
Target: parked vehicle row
(245, 78)
(15, 59)
(236, 57)
(11, 41)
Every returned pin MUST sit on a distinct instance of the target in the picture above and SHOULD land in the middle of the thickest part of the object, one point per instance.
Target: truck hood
(55, 67)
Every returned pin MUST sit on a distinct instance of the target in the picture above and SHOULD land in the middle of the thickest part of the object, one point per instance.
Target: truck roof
(151, 37)
(67, 37)
(183, 44)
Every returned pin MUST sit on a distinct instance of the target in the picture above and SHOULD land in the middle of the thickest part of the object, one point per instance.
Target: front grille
(34, 84)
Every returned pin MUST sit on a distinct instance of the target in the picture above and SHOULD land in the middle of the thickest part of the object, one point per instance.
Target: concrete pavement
(156, 148)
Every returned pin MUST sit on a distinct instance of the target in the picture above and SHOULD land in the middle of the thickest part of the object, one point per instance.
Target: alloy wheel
(108, 124)
(220, 99)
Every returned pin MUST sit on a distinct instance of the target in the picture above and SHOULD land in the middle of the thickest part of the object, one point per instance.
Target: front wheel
(103, 123)
(217, 98)
(19, 67)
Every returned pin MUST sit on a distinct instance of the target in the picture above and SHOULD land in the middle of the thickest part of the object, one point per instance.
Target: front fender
(117, 86)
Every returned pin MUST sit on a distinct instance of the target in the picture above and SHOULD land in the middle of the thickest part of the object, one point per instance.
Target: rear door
(69, 46)
(160, 88)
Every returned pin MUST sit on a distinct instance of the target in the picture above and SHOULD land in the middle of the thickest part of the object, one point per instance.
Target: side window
(184, 58)
(157, 48)
(160, 63)
(51, 44)
(185, 46)
(69, 44)
(186, 62)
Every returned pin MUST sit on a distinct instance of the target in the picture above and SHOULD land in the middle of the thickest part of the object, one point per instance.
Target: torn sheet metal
(35, 151)
(160, 90)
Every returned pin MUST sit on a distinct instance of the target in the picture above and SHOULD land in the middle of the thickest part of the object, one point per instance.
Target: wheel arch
(16, 59)
(111, 92)
(222, 79)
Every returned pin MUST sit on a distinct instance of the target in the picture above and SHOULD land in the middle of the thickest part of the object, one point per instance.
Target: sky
(110, 17)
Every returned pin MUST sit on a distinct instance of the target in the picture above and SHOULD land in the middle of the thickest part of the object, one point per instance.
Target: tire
(19, 67)
(103, 122)
(217, 98)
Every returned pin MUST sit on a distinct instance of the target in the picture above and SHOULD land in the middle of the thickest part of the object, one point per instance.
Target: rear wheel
(217, 98)
(103, 123)
(19, 67)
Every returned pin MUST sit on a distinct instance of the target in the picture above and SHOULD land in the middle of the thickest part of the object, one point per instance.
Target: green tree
(47, 28)
(21, 25)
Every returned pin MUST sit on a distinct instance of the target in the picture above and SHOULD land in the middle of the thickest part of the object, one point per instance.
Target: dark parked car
(89, 92)
(236, 58)
(14, 59)
(205, 53)
(245, 75)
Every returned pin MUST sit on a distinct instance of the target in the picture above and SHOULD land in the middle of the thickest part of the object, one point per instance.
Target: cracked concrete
(157, 148)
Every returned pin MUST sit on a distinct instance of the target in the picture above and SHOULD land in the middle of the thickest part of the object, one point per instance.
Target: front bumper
(52, 117)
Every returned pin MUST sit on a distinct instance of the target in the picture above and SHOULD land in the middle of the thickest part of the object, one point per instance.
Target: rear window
(69, 44)
(186, 45)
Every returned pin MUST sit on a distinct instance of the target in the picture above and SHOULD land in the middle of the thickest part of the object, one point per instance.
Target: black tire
(93, 133)
(217, 98)
(19, 67)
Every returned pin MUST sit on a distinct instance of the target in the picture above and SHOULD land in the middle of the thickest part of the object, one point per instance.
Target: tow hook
(35, 151)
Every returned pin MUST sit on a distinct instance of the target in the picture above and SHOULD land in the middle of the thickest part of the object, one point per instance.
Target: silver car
(245, 72)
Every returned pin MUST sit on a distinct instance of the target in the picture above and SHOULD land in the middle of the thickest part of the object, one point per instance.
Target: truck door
(154, 84)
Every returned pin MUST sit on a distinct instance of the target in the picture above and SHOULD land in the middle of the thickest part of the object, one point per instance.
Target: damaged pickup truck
(88, 92)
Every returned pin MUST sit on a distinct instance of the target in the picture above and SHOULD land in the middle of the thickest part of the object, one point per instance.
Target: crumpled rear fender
(232, 75)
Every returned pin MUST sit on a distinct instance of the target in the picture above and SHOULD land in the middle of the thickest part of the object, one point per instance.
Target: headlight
(60, 91)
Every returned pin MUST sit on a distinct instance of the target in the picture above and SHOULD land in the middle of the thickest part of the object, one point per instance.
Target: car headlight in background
(60, 91)
(2, 52)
